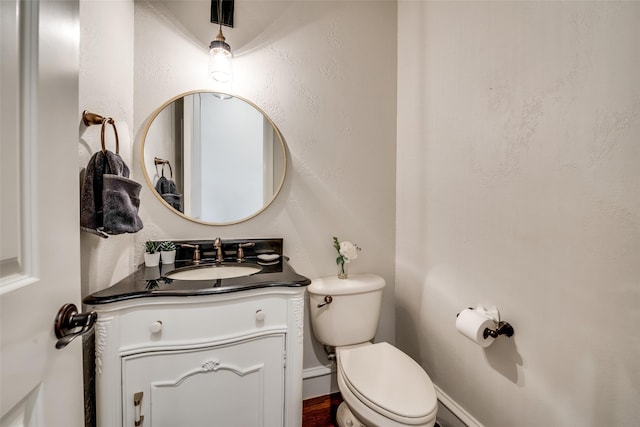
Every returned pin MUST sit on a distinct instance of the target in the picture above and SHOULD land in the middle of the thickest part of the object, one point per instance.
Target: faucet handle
(196, 251)
(240, 255)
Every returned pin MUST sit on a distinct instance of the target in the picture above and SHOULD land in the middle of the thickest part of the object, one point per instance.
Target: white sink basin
(213, 272)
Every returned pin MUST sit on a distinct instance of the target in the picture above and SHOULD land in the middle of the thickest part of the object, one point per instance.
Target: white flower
(348, 250)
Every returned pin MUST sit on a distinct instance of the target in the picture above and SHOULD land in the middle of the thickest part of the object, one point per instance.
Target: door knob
(67, 322)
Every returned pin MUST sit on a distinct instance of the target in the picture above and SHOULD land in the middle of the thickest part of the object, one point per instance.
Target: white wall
(314, 69)
(106, 88)
(517, 185)
(325, 72)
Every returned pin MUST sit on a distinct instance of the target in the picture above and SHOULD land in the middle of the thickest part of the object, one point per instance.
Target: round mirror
(213, 158)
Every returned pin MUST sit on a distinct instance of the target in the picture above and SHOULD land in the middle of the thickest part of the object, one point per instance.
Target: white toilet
(380, 385)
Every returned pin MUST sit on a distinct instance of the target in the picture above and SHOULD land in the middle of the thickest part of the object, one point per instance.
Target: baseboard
(318, 381)
(456, 409)
(317, 371)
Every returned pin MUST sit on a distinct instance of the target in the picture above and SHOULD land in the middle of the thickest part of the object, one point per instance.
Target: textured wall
(106, 88)
(325, 73)
(518, 172)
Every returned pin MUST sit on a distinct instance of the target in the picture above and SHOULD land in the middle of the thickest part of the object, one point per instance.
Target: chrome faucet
(217, 245)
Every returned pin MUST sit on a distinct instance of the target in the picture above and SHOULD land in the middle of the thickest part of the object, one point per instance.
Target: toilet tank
(353, 313)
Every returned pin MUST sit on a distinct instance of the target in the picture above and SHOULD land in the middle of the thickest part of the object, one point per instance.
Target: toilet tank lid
(354, 284)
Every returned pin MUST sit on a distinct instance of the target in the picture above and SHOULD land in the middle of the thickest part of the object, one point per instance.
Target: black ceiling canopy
(227, 12)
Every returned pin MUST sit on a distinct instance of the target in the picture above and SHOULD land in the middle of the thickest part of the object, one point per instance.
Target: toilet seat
(388, 382)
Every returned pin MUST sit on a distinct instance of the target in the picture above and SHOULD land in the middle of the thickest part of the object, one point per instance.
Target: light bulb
(220, 60)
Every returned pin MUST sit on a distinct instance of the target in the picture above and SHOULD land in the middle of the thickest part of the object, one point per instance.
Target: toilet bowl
(381, 386)
(384, 387)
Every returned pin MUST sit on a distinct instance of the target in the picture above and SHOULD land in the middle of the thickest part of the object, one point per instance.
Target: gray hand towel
(165, 185)
(167, 190)
(174, 200)
(120, 202)
(92, 197)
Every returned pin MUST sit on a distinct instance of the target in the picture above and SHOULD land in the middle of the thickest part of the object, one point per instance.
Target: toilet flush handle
(327, 300)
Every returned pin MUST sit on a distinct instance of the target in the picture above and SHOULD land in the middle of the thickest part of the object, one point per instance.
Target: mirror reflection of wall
(227, 157)
(230, 158)
(168, 166)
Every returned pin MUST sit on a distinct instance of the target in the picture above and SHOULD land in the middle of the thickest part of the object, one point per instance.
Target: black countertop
(152, 282)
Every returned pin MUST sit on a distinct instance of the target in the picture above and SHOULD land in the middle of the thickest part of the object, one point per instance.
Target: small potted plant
(168, 252)
(151, 254)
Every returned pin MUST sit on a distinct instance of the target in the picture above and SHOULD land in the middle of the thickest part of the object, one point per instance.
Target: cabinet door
(237, 384)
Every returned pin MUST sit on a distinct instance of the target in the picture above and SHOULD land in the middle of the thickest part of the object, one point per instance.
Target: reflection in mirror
(213, 158)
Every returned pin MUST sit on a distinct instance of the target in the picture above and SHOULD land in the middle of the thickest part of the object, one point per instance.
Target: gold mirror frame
(149, 180)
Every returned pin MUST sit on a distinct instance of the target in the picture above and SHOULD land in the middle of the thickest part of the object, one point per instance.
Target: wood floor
(321, 411)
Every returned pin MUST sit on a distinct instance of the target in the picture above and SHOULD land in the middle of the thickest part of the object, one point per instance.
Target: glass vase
(342, 270)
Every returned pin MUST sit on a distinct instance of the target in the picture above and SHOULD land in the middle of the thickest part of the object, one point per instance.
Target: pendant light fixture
(220, 65)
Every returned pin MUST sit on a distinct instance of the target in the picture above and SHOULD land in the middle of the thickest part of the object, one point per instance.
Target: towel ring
(170, 170)
(115, 131)
(158, 161)
(89, 119)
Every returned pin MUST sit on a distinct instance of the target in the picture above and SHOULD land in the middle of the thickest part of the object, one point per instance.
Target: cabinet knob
(155, 327)
(260, 315)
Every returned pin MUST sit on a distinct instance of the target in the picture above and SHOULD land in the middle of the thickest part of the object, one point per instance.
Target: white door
(39, 225)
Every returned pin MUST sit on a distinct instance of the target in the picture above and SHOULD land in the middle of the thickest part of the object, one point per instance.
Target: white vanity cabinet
(229, 359)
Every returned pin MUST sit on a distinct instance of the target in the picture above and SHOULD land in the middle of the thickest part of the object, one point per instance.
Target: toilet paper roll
(472, 324)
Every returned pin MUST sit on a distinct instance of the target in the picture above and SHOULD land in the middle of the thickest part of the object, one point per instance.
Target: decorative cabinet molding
(227, 359)
(100, 341)
(298, 311)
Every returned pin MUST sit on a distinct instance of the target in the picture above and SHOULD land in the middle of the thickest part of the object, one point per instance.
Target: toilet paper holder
(502, 327)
